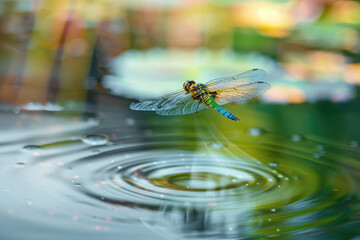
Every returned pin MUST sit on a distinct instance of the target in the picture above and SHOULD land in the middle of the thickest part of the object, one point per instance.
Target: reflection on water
(111, 171)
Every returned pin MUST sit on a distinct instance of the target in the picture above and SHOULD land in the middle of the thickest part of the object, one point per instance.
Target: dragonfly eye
(187, 85)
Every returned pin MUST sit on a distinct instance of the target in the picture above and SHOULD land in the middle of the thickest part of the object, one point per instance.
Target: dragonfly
(214, 93)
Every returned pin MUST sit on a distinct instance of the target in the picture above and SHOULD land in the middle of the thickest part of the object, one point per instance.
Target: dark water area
(100, 170)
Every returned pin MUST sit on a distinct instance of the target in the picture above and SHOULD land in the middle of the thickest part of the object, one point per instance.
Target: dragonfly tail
(210, 101)
(226, 113)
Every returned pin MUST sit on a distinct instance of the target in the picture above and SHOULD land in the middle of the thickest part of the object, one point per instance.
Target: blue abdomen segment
(226, 113)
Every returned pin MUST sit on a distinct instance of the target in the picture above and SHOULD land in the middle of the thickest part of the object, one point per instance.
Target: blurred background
(59, 50)
(63, 51)
(69, 70)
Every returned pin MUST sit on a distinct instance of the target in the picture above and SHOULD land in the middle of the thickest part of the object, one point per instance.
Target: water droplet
(29, 202)
(255, 131)
(119, 167)
(130, 121)
(95, 139)
(31, 148)
(297, 177)
(16, 110)
(96, 151)
(33, 106)
(354, 143)
(296, 138)
(53, 107)
(273, 164)
(77, 184)
(273, 209)
(216, 145)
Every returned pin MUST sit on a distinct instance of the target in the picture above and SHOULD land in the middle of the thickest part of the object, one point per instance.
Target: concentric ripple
(154, 176)
(285, 186)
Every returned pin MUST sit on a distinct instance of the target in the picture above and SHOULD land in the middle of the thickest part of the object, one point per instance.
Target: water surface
(105, 171)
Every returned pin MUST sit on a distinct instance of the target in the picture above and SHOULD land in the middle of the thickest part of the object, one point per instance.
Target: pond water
(100, 170)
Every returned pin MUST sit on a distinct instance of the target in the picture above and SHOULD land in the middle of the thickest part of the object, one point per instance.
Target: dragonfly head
(187, 85)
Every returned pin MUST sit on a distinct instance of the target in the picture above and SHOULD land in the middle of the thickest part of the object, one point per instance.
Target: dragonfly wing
(240, 94)
(238, 88)
(190, 106)
(165, 102)
(244, 78)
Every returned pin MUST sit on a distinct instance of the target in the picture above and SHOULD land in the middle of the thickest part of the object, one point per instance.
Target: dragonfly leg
(197, 110)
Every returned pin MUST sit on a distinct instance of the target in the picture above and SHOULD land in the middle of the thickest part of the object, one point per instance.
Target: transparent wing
(251, 76)
(238, 88)
(165, 102)
(240, 94)
(188, 107)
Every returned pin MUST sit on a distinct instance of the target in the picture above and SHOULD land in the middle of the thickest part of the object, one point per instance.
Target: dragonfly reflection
(195, 97)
